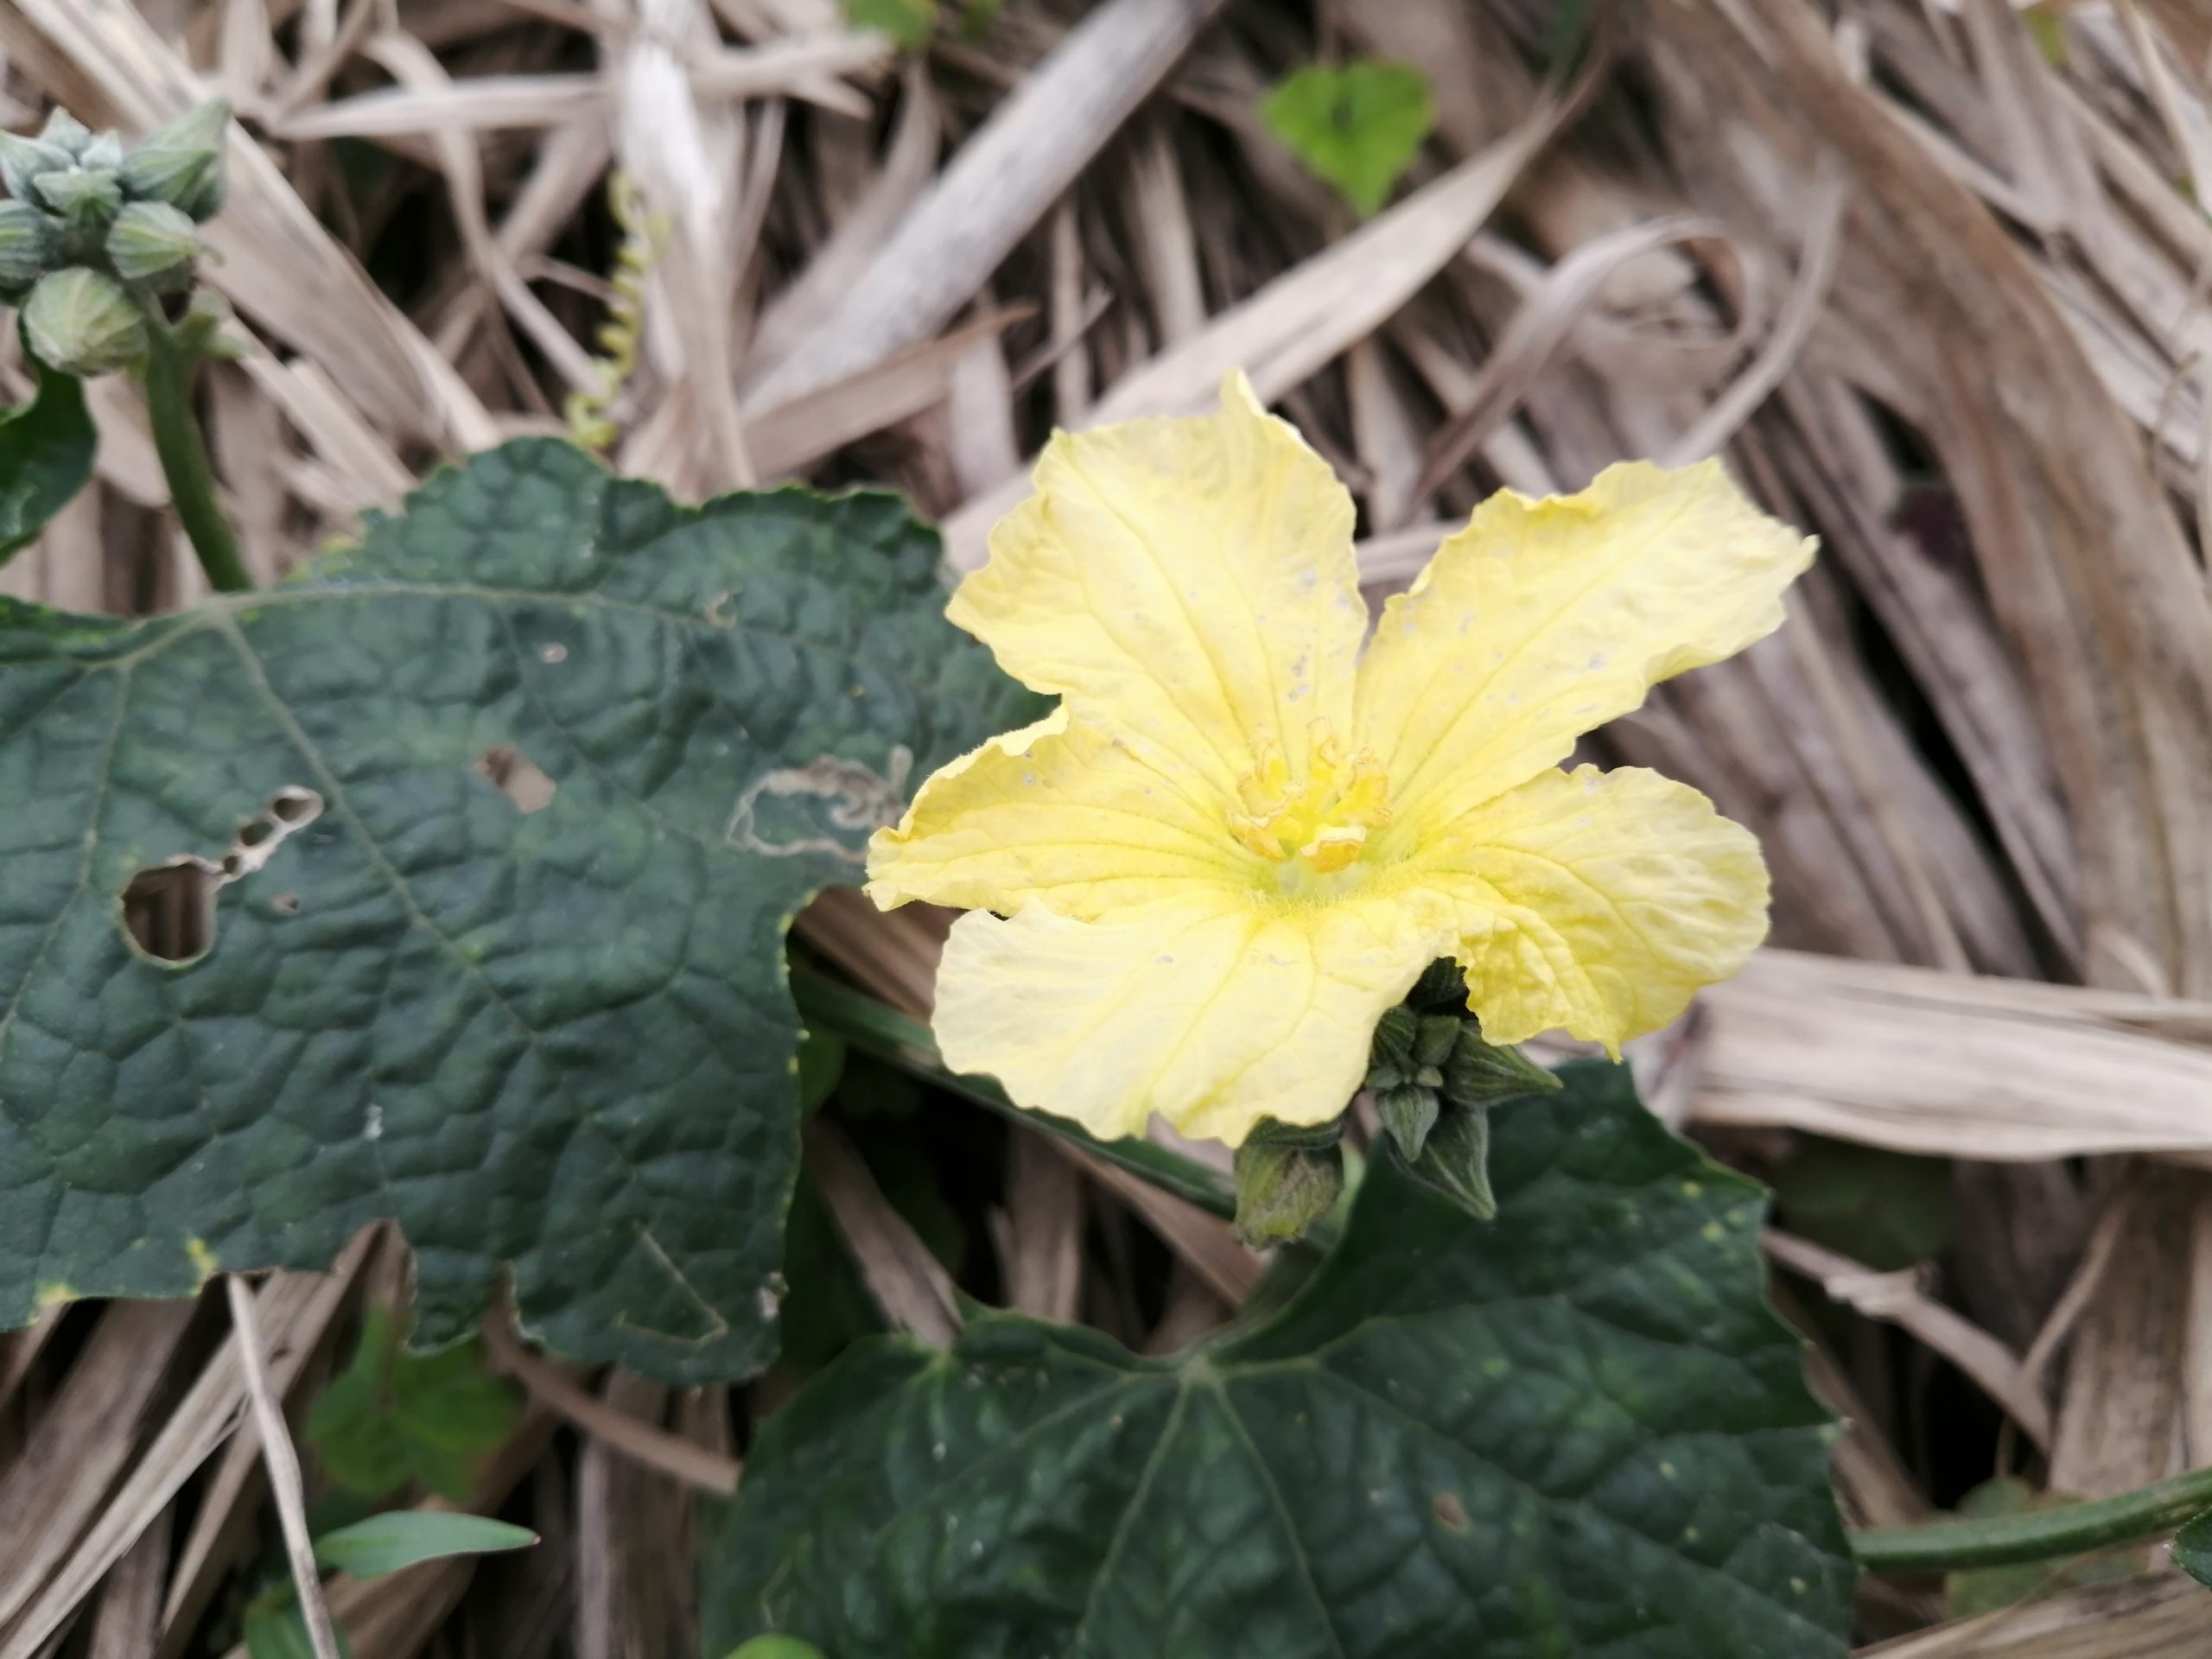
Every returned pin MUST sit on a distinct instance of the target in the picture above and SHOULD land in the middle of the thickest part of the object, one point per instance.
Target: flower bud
(22, 159)
(66, 133)
(80, 321)
(85, 197)
(181, 164)
(154, 244)
(1283, 1190)
(1409, 1112)
(1456, 1158)
(29, 244)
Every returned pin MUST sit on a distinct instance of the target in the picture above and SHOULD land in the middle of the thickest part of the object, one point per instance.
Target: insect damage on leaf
(557, 1038)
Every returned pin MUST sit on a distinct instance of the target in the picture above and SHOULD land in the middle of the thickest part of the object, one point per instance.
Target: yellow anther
(1322, 816)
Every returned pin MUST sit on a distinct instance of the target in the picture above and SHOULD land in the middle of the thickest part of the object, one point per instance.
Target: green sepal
(1456, 1158)
(66, 133)
(1482, 1074)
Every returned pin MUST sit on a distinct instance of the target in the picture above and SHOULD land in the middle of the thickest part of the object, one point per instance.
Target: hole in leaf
(296, 806)
(169, 910)
(518, 778)
(285, 904)
(1451, 1512)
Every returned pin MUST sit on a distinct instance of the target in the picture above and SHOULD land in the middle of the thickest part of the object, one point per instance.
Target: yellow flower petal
(1058, 814)
(1541, 620)
(1597, 903)
(1211, 1013)
(1186, 585)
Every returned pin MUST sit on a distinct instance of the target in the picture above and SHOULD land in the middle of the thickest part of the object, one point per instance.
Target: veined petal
(1212, 1012)
(1597, 903)
(1541, 620)
(1055, 813)
(1187, 585)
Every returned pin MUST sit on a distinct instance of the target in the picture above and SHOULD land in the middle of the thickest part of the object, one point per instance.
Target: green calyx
(80, 321)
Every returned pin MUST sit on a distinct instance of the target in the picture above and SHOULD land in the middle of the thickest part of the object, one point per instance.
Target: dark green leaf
(547, 1026)
(1883, 1209)
(1359, 126)
(2193, 1548)
(45, 456)
(405, 1538)
(1574, 1431)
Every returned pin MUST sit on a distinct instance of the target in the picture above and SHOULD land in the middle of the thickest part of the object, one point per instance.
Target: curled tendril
(589, 409)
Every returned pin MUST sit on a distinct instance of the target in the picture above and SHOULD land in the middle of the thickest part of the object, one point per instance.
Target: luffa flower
(1195, 887)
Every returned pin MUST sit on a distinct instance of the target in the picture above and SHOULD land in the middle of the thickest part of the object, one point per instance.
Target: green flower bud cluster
(1435, 1080)
(95, 231)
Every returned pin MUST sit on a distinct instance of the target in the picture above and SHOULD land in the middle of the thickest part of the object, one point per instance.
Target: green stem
(2047, 1535)
(184, 462)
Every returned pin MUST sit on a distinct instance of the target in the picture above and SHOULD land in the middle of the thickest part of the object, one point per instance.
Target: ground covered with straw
(1930, 274)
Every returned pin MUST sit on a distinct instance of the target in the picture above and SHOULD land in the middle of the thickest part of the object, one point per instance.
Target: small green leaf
(274, 1627)
(1576, 1431)
(2193, 1548)
(1883, 1209)
(46, 455)
(908, 23)
(776, 1647)
(549, 1029)
(1359, 127)
(392, 1416)
(404, 1538)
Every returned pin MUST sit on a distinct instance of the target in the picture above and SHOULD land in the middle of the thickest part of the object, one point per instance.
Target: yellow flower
(1238, 839)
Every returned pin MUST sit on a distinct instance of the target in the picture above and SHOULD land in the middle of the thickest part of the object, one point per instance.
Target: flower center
(1322, 815)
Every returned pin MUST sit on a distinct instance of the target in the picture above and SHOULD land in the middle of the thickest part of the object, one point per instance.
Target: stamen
(1323, 817)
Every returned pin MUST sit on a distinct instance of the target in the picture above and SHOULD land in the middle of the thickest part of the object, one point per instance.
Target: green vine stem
(2047, 1535)
(169, 366)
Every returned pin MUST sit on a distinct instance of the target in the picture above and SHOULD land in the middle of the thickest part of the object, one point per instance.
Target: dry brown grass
(1936, 299)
